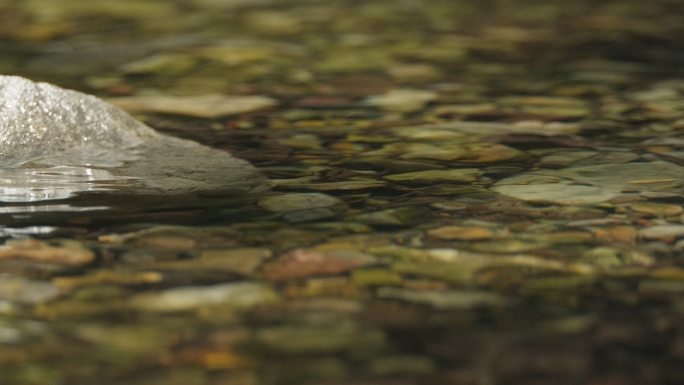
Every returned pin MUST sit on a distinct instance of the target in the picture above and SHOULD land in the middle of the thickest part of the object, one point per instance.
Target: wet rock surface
(464, 192)
(58, 143)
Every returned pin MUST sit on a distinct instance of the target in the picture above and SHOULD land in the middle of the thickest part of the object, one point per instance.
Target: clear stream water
(462, 192)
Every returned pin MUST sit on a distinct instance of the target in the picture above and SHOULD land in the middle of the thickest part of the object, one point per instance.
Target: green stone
(463, 175)
(375, 277)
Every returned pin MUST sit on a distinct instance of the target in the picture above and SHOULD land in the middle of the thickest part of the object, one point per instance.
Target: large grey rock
(55, 143)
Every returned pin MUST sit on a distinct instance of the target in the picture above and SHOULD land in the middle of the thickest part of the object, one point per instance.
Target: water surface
(463, 192)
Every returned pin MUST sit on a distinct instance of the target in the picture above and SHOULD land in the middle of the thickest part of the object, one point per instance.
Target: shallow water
(463, 193)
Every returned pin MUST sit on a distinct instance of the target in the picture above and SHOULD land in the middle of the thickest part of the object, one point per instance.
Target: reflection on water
(33, 183)
(18, 232)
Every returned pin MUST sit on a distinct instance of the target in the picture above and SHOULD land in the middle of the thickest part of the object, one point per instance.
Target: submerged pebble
(26, 291)
(202, 106)
(238, 295)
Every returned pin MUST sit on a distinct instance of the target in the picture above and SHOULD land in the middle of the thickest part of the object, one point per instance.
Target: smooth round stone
(662, 232)
(461, 175)
(296, 202)
(300, 207)
(561, 193)
(461, 233)
(656, 209)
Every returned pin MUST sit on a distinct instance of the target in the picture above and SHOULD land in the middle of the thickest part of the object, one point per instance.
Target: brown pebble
(622, 234)
(461, 233)
(66, 253)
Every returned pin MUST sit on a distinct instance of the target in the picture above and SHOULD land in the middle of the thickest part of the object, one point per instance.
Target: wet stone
(175, 64)
(61, 143)
(444, 299)
(458, 273)
(508, 246)
(662, 232)
(69, 253)
(461, 233)
(20, 290)
(590, 184)
(585, 158)
(13, 332)
(394, 217)
(609, 257)
(624, 234)
(302, 263)
(450, 206)
(656, 209)
(457, 175)
(377, 277)
(332, 338)
(202, 106)
(303, 141)
(174, 238)
(405, 365)
(240, 295)
(104, 277)
(303, 206)
(314, 287)
(136, 340)
(450, 151)
(350, 185)
(243, 261)
(220, 359)
(403, 100)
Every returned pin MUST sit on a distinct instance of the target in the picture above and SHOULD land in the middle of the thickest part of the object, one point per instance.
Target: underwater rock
(403, 100)
(592, 184)
(209, 106)
(55, 143)
(238, 295)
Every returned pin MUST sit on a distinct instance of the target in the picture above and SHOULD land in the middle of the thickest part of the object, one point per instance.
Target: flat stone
(462, 175)
(461, 233)
(403, 100)
(108, 277)
(522, 127)
(450, 151)
(662, 232)
(241, 260)
(375, 277)
(301, 207)
(401, 216)
(656, 209)
(341, 336)
(237, 296)
(348, 185)
(405, 365)
(299, 201)
(201, 106)
(26, 291)
(69, 253)
(301, 263)
(591, 184)
(444, 299)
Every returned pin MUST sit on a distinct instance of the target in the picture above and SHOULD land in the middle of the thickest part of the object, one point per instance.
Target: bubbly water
(57, 143)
